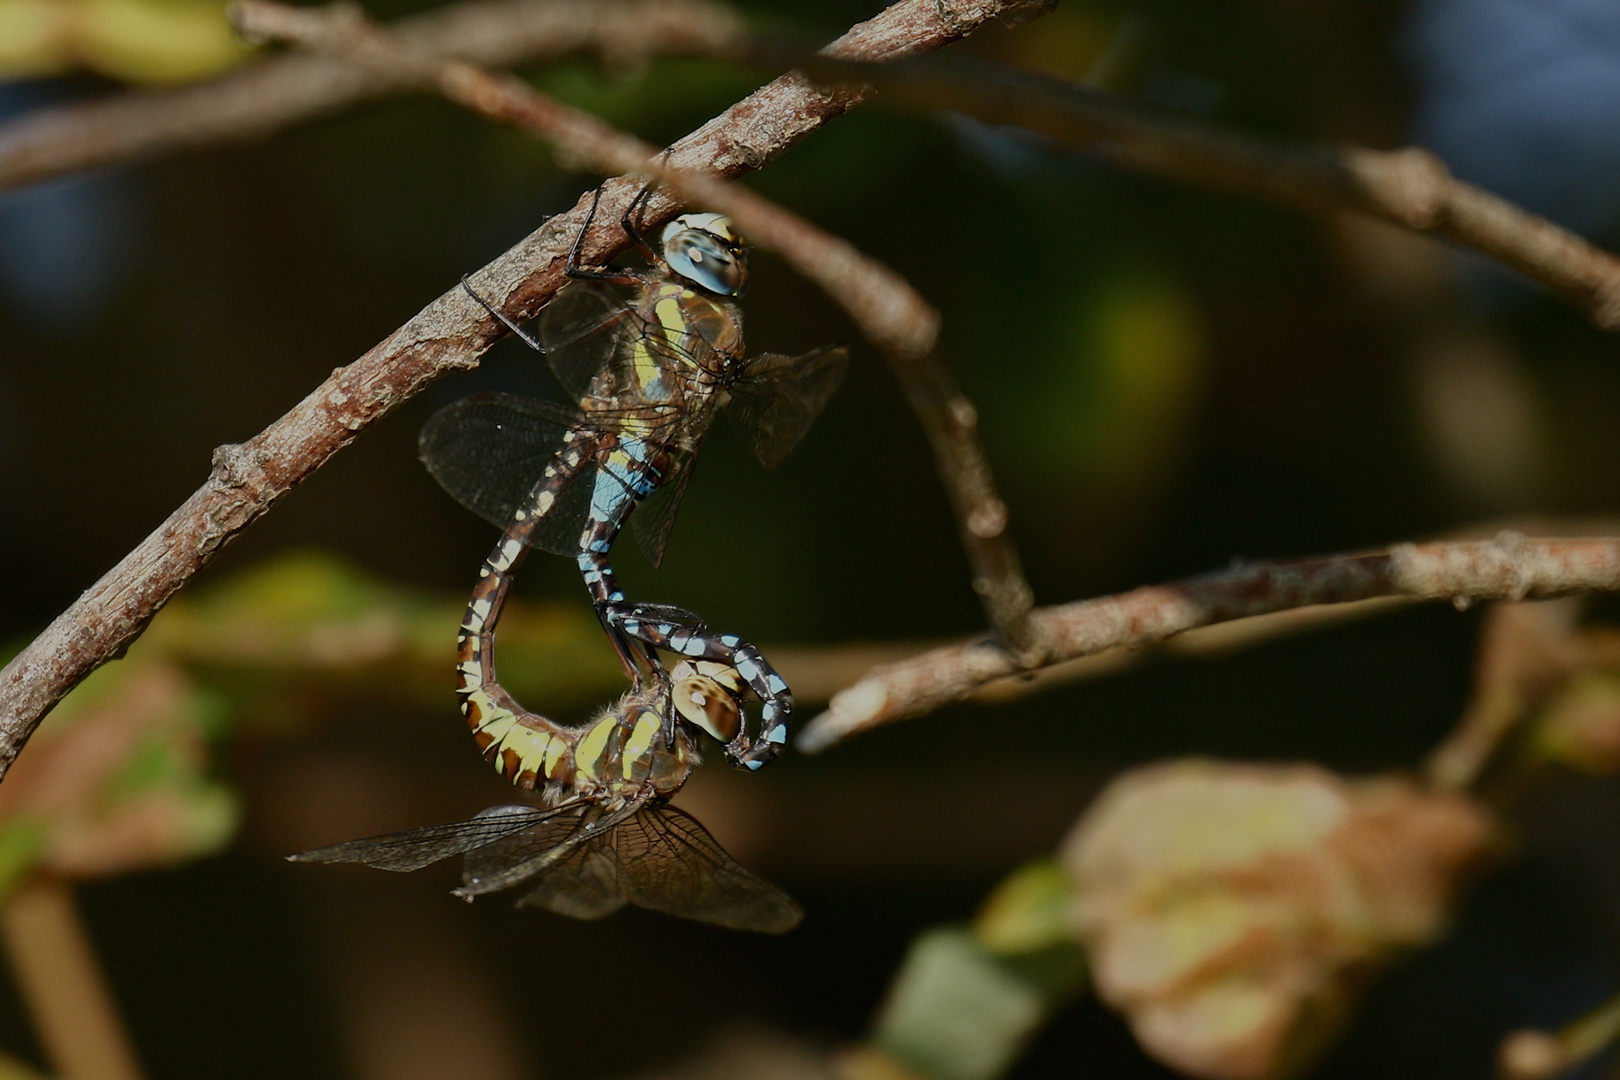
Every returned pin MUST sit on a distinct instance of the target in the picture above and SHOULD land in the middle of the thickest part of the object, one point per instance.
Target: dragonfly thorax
(705, 250)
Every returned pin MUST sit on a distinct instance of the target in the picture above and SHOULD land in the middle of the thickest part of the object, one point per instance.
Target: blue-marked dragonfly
(649, 358)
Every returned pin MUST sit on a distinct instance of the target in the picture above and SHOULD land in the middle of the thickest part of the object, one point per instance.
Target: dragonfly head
(705, 250)
(710, 696)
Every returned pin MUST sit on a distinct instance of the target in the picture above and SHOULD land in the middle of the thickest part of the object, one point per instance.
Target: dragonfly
(604, 835)
(648, 358)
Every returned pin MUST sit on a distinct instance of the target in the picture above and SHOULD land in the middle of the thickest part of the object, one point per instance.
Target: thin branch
(63, 984)
(271, 94)
(447, 335)
(1410, 188)
(890, 313)
(1510, 567)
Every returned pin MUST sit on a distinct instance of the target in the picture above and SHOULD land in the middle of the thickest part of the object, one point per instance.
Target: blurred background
(1168, 380)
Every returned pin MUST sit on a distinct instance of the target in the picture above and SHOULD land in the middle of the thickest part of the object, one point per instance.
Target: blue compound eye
(704, 256)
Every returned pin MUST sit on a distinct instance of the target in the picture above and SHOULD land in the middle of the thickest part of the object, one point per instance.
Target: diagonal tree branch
(883, 304)
(1408, 188)
(447, 335)
(273, 93)
(1510, 567)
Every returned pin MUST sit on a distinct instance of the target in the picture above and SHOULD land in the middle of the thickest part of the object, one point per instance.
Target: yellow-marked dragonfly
(649, 359)
(604, 835)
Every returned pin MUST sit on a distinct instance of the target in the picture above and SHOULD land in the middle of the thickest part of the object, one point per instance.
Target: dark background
(1168, 380)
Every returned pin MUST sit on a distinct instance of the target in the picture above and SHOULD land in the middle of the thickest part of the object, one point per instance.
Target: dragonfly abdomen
(525, 747)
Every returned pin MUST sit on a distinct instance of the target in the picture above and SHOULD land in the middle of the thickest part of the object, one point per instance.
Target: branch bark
(1510, 567)
(890, 313)
(447, 335)
(1410, 188)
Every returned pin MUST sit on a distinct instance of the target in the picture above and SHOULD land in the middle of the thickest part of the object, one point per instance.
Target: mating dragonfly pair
(649, 359)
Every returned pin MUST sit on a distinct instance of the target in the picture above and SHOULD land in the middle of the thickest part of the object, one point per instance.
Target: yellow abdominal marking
(498, 720)
(529, 745)
(556, 753)
(591, 747)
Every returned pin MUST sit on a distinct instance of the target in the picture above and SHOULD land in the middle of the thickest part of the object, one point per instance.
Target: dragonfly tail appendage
(745, 749)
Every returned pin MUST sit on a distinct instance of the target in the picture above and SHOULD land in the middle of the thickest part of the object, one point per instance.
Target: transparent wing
(490, 450)
(586, 330)
(416, 848)
(668, 862)
(655, 515)
(779, 397)
(584, 884)
(518, 856)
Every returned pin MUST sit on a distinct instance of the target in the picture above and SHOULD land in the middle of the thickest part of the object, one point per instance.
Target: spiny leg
(574, 268)
(500, 316)
(629, 222)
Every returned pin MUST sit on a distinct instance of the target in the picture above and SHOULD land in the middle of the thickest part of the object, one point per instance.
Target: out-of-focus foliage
(1121, 372)
(146, 41)
(293, 632)
(1547, 691)
(1167, 379)
(1233, 911)
(1581, 724)
(965, 1002)
(117, 778)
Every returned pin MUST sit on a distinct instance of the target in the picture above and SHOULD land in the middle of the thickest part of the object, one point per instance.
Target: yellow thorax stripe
(640, 741)
(591, 746)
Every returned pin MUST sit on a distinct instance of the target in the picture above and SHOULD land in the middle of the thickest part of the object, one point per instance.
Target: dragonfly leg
(628, 222)
(666, 613)
(526, 337)
(576, 269)
(606, 597)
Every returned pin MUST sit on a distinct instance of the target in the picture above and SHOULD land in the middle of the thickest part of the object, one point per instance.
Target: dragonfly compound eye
(703, 249)
(704, 701)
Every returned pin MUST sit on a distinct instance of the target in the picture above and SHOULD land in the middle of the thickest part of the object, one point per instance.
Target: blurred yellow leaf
(1027, 912)
(135, 40)
(32, 39)
(1230, 911)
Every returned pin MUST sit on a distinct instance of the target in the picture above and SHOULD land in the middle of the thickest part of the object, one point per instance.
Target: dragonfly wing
(668, 862)
(519, 856)
(584, 884)
(779, 397)
(416, 848)
(490, 450)
(587, 329)
(655, 515)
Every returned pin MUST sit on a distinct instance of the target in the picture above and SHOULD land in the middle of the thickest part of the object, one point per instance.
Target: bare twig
(447, 335)
(1542, 1055)
(1410, 188)
(1507, 568)
(887, 309)
(62, 982)
(274, 93)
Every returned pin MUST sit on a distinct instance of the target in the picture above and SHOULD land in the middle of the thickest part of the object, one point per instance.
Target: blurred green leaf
(958, 1011)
